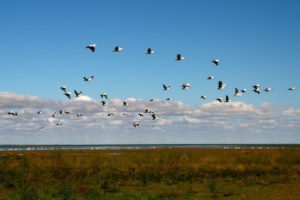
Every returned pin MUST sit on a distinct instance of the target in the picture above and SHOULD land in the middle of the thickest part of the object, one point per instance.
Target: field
(151, 174)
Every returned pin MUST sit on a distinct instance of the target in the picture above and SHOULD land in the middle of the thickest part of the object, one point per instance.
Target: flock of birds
(185, 86)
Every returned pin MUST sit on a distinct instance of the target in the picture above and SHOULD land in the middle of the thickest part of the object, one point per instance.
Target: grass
(151, 174)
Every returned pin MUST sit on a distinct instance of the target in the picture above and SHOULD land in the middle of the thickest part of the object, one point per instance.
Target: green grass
(151, 174)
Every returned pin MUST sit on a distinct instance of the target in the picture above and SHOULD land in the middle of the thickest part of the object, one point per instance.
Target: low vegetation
(151, 174)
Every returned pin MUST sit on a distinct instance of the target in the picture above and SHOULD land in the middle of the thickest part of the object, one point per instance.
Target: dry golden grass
(151, 174)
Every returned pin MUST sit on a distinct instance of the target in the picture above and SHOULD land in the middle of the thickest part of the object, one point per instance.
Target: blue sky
(43, 47)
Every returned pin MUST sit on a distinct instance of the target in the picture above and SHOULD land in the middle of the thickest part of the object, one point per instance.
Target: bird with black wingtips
(39, 112)
(110, 114)
(179, 57)
(104, 103)
(148, 111)
(244, 90)
(210, 78)
(256, 88)
(125, 103)
(53, 115)
(61, 112)
(88, 78)
(13, 113)
(79, 114)
(77, 94)
(215, 61)
(135, 125)
(92, 47)
(59, 123)
(292, 88)
(237, 92)
(63, 88)
(141, 115)
(220, 99)
(227, 99)
(67, 112)
(154, 116)
(268, 89)
(203, 97)
(166, 87)
(103, 95)
(151, 99)
(68, 94)
(221, 85)
(118, 49)
(150, 51)
(185, 86)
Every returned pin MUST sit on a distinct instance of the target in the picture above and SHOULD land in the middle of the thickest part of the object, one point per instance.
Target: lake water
(145, 146)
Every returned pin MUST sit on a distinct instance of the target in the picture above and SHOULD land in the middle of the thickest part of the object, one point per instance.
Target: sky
(43, 47)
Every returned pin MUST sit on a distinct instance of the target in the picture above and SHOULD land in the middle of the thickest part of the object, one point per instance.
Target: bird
(79, 115)
(148, 111)
(104, 103)
(39, 112)
(203, 97)
(221, 85)
(215, 61)
(141, 115)
(166, 87)
(292, 88)
(185, 86)
(237, 92)
(179, 57)
(256, 88)
(244, 90)
(125, 103)
(154, 116)
(67, 112)
(151, 99)
(168, 99)
(53, 115)
(92, 47)
(63, 88)
(150, 51)
(103, 95)
(268, 89)
(13, 113)
(61, 112)
(118, 49)
(59, 123)
(68, 94)
(136, 124)
(210, 78)
(88, 78)
(110, 114)
(227, 99)
(77, 94)
(220, 99)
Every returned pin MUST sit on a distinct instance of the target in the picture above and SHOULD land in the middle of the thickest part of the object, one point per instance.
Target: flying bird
(203, 97)
(168, 99)
(244, 90)
(154, 116)
(210, 78)
(68, 94)
(117, 49)
(53, 115)
(125, 103)
(136, 124)
(166, 87)
(148, 111)
(61, 112)
(185, 86)
(39, 112)
(59, 123)
(227, 99)
(141, 115)
(63, 88)
(237, 92)
(110, 114)
(292, 88)
(151, 99)
(150, 51)
(103, 95)
(221, 85)
(67, 112)
(79, 115)
(92, 47)
(88, 78)
(268, 89)
(215, 61)
(220, 99)
(179, 57)
(77, 94)
(256, 88)
(104, 103)
(13, 113)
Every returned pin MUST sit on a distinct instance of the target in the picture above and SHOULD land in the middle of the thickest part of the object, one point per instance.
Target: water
(144, 146)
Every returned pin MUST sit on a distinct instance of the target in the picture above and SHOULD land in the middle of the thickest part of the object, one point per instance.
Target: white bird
(166, 87)
(151, 99)
(244, 90)
(267, 89)
(59, 123)
(61, 112)
(215, 61)
(53, 115)
(256, 88)
(150, 51)
(79, 115)
(88, 78)
(92, 47)
(220, 99)
(125, 103)
(210, 78)
(13, 113)
(136, 124)
(221, 85)
(103, 95)
(237, 92)
(68, 94)
(179, 57)
(292, 88)
(118, 49)
(185, 86)
(63, 88)
(77, 94)
(227, 99)
(39, 112)
(168, 99)
(154, 116)
(141, 115)
(104, 103)
(67, 112)
(148, 111)
(110, 114)
(203, 97)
